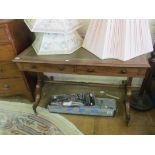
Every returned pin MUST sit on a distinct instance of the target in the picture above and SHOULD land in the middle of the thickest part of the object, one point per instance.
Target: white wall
(99, 79)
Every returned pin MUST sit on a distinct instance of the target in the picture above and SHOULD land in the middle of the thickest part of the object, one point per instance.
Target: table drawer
(11, 86)
(9, 70)
(3, 34)
(110, 71)
(6, 52)
(47, 68)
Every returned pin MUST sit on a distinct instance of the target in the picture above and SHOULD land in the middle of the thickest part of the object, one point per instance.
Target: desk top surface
(79, 57)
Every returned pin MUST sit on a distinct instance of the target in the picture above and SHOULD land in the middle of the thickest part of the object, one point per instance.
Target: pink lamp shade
(121, 39)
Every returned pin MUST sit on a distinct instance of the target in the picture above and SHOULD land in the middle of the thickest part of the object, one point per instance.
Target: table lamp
(121, 39)
(55, 36)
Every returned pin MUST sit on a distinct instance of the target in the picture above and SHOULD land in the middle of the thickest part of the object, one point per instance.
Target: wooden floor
(142, 123)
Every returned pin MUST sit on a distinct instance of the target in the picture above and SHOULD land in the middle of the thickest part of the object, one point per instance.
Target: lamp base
(141, 102)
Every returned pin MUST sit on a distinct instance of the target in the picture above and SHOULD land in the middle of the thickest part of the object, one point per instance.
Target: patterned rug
(18, 118)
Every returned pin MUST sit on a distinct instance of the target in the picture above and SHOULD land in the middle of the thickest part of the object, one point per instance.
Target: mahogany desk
(84, 63)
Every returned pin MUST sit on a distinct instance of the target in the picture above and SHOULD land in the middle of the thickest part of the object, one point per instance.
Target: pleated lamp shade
(53, 25)
(121, 39)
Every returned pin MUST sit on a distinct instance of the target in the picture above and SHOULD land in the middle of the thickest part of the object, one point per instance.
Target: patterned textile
(57, 43)
(18, 118)
(53, 25)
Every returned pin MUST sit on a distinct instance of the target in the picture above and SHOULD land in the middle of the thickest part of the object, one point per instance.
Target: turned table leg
(38, 91)
(128, 98)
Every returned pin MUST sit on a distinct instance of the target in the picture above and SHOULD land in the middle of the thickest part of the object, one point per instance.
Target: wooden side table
(84, 63)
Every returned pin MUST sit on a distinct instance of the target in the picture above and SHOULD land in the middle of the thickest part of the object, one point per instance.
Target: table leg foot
(127, 119)
(35, 109)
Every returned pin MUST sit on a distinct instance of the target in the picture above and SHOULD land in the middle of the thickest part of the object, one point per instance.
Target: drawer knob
(90, 70)
(123, 71)
(6, 86)
(61, 68)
